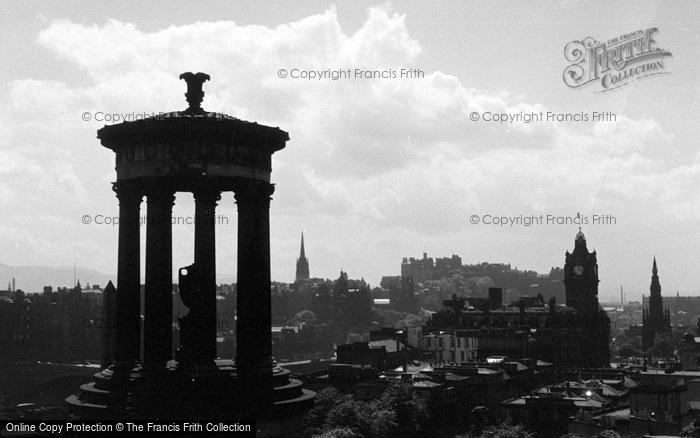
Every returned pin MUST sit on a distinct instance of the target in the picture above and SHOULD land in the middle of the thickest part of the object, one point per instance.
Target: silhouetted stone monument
(205, 154)
(109, 295)
(190, 354)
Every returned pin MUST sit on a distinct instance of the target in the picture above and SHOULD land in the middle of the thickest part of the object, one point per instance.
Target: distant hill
(34, 278)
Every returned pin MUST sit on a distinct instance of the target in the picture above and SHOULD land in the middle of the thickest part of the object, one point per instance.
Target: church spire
(654, 269)
(302, 263)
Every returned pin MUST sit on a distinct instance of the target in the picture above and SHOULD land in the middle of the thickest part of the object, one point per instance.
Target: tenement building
(572, 335)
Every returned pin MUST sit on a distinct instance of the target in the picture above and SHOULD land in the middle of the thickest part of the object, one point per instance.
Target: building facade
(452, 346)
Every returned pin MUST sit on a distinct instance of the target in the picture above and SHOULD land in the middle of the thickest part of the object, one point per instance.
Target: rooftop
(389, 344)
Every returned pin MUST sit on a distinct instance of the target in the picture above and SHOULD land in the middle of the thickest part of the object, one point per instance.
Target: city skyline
(100, 278)
(376, 169)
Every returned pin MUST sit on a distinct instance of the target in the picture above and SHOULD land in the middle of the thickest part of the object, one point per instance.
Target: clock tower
(581, 277)
(589, 328)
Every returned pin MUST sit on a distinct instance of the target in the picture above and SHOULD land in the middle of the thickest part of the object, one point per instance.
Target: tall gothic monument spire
(302, 263)
(656, 320)
(655, 287)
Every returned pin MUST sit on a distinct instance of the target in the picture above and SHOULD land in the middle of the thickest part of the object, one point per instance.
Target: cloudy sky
(376, 169)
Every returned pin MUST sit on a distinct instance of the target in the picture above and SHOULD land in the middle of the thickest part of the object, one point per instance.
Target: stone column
(128, 303)
(158, 334)
(253, 326)
(205, 200)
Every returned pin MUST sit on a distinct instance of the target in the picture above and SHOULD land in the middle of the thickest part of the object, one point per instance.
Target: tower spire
(580, 243)
(658, 319)
(655, 285)
(302, 262)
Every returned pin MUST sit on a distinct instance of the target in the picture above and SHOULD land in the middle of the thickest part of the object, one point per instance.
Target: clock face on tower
(578, 270)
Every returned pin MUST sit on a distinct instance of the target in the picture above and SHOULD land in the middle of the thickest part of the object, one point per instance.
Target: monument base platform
(212, 395)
